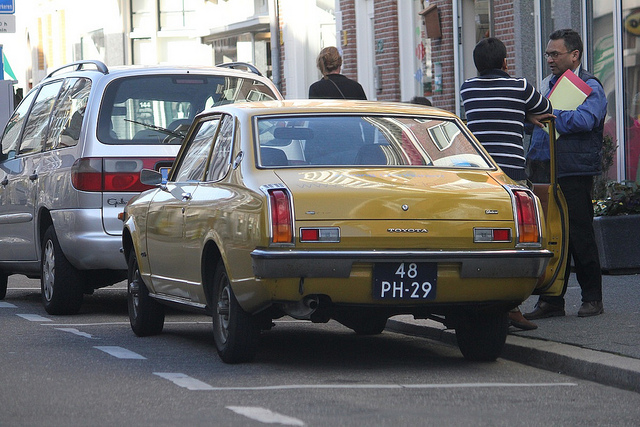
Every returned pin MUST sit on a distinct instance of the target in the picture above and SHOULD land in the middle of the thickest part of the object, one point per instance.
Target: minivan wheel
(481, 335)
(4, 279)
(236, 332)
(146, 315)
(61, 284)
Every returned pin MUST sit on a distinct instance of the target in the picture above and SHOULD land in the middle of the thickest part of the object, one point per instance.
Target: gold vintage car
(353, 211)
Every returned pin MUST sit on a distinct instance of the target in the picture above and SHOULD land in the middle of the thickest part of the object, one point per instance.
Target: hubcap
(223, 310)
(48, 270)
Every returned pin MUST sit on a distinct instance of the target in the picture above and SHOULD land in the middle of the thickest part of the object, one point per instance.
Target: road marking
(119, 352)
(89, 324)
(184, 381)
(34, 318)
(7, 305)
(265, 416)
(76, 332)
(385, 386)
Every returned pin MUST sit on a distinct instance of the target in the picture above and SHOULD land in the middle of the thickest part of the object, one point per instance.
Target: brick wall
(503, 20)
(349, 50)
(387, 55)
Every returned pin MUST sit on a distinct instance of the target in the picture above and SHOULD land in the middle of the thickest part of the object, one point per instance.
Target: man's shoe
(543, 309)
(590, 308)
(516, 319)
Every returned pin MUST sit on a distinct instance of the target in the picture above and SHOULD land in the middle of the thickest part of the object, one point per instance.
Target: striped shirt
(496, 105)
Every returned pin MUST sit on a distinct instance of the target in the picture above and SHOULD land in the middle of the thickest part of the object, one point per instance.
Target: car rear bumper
(282, 263)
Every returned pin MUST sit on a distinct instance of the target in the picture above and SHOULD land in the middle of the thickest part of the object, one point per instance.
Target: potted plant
(617, 227)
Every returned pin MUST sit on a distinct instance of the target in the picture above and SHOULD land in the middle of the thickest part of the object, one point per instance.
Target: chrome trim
(178, 300)
(490, 263)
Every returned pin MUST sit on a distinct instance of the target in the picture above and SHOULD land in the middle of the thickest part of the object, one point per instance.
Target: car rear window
(159, 109)
(309, 141)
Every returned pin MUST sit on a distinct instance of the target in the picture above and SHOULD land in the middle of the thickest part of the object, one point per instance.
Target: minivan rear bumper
(84, 241)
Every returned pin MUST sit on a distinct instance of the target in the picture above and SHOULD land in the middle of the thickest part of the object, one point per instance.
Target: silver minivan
(71, 156)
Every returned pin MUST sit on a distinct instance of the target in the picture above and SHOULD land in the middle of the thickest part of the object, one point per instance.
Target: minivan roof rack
(236, 65)
(80, 65)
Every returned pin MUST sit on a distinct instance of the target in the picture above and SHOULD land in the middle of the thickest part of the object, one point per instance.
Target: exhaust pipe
(303, 309)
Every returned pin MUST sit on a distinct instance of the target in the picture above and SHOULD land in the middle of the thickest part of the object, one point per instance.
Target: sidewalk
(604, 348)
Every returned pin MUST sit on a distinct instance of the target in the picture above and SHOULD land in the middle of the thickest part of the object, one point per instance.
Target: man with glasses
(578, 161)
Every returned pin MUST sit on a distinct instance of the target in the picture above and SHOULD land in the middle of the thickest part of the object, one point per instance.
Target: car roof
(326, 106)
(138, 70)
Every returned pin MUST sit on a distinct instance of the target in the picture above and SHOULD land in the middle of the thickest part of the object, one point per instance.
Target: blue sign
(7, 6)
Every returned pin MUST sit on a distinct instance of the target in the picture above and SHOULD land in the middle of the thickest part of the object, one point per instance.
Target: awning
(258, 24)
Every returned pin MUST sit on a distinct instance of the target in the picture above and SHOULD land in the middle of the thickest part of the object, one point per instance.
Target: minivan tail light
(281, 216)
(526, 217)
(97, 174)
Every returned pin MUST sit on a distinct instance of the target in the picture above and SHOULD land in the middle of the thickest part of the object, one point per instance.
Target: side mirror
(150, 177)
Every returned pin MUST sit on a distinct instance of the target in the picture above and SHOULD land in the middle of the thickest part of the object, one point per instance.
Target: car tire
(61, 284)
(146, 315)
(481, 335)
(236, 332)
(4, 280)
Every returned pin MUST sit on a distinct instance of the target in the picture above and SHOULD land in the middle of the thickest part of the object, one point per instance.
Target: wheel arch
(211, 254)
(44, 222)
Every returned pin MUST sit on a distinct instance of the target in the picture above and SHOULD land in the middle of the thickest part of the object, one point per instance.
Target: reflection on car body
(353, 211)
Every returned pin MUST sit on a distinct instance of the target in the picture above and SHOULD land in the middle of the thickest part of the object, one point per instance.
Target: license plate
(405, 280)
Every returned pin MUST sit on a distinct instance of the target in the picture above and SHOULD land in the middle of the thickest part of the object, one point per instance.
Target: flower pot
(618, 240)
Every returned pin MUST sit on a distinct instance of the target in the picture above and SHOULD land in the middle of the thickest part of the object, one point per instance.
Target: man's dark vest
(581, 153)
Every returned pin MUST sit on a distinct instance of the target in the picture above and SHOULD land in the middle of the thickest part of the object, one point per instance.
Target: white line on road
(34, 318)
(184, 381)
(265, 415)
(119, 352)
(386, 386)
(7, 305)
(76, 332)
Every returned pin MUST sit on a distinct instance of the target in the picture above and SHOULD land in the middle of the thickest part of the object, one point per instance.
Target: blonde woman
(334, 85)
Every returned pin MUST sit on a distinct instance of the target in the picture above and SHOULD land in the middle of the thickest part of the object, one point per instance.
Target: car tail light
(320, 234)
(526, 217)
(485, 235)
(281, 216)
(113, 174)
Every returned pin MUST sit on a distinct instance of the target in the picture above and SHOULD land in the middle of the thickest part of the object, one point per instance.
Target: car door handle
(33, 176)
(4, 182)
(186, 196)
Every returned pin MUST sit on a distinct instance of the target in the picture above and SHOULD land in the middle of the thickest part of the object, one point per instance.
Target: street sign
(7, 7)
(7, 24)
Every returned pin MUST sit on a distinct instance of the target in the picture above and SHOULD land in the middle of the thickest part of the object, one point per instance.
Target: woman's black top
(336, 86)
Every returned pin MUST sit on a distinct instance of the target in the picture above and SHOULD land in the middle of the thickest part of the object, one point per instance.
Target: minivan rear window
(159, 109)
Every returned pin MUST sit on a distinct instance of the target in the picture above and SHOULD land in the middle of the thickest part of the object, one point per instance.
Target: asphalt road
(90, 369)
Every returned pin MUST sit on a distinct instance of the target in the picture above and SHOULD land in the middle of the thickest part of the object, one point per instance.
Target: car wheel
(146, 315)
(363, 324)
(236, 332)
(481, 335)
(4, 280)
(61, 284)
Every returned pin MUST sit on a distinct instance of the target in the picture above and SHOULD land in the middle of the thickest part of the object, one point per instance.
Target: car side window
(38, 121)
(66, 121)
(193, 161)
(12, 131)
(221, 156)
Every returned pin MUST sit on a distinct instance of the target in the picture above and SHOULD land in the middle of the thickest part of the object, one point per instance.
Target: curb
(601, 367)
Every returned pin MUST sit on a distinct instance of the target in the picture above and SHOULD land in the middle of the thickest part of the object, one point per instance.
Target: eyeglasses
(554, 55)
